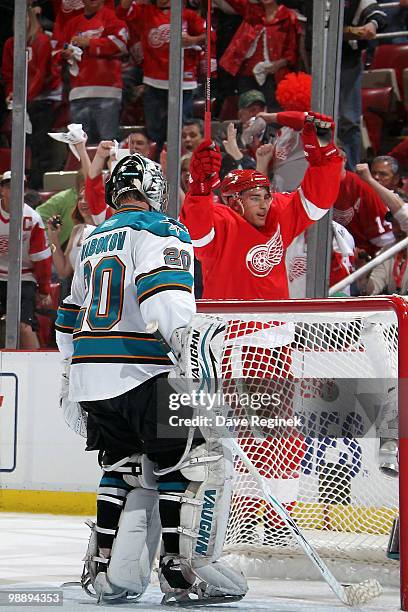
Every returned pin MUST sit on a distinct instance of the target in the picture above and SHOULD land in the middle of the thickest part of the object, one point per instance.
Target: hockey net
(319, 352)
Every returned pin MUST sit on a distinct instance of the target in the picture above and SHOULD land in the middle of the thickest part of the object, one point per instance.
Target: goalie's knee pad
(195, 503)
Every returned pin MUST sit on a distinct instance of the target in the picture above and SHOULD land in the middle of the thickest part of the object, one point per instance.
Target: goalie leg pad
(135, 547)
(194, 507)
(203, 505)
(127, 530)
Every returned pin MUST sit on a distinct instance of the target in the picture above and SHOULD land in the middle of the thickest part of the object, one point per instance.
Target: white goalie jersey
(134, 268)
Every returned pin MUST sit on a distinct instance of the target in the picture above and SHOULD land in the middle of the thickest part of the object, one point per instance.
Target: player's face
(382, 172)
(256, 203)
(191, 137)
(139, 144)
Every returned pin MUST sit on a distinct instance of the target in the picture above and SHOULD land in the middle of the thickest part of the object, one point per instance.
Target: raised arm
(395, 203)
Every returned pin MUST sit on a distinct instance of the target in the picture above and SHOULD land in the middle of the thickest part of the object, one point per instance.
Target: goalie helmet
(238, 181)
(141, 175)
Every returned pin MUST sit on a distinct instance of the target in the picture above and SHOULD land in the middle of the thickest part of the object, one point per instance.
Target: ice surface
(43, 551)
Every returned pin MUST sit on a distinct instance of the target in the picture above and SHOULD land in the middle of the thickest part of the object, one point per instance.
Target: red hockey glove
(205, 166)
(292, 119)
(317, 135)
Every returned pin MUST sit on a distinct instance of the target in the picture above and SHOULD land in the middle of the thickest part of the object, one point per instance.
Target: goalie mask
(238, 181)
(141, 175)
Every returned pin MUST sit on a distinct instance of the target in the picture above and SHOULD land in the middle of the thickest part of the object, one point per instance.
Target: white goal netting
(322, 365)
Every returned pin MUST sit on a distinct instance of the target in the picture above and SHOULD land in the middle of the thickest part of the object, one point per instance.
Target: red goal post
(312, 315)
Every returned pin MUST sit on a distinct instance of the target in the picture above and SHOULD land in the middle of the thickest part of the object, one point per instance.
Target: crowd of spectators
(104, 66)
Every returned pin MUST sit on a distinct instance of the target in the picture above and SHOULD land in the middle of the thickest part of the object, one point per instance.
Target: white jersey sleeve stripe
(41, 255)
(313, 212)
(201, 242)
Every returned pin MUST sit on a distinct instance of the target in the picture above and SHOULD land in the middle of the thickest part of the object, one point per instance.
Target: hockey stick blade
(351, 594)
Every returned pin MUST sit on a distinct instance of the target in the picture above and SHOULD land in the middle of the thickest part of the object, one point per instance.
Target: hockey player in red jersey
(242, 246)
(242, 250)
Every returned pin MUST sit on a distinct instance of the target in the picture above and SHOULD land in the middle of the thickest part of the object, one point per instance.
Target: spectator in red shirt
(361, 210)
(64, 10)
(264, 48)
(95, 76)
(43, 94)
(153, 23)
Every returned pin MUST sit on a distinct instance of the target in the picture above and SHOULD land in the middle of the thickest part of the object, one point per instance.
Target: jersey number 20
(106, 285)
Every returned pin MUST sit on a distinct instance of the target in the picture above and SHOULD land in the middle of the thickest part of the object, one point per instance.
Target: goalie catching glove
(318, 139)
(205, 166)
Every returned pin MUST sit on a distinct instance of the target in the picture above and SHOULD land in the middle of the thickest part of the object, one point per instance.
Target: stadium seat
(198, 109)
(229, 109)
(392, 56)
(376, 104)
(72, 163)
(383, 77)
(46, 195)
(57, 181)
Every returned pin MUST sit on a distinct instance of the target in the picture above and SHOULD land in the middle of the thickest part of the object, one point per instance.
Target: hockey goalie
(134, 267)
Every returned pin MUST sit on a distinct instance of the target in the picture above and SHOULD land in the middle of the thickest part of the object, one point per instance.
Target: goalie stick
(349, 594)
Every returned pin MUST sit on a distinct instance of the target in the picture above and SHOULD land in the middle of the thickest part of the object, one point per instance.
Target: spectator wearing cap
(36, 265)
(264, 48)
(242, 139)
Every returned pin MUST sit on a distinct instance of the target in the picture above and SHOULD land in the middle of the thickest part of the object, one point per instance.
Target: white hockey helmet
(141, 175)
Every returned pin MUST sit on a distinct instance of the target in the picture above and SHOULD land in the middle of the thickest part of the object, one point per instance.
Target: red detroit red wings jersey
(153, 26)
(100, 68)
(362, 212)
(36, 254)
(240, 261)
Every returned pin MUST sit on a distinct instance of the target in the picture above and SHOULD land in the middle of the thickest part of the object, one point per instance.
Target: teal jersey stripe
(161, 278)
(153, 222)
(66, 318)
(172, 486)
(99, 345)
(106, 481)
